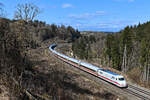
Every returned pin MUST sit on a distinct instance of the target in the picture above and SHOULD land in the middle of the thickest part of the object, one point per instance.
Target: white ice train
(106, 75)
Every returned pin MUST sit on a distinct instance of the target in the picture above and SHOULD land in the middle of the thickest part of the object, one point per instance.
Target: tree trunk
(147, 74)
(144, 73)
(124, 63)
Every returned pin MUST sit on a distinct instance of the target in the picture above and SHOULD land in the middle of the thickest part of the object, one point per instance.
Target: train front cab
(122, 82)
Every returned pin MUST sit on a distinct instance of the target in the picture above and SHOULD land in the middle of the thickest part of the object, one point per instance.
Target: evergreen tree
(125, 47)
(108, 45)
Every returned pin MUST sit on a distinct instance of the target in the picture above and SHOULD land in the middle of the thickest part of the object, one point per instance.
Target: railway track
(142, 97)
(143, 94)
(140, 90)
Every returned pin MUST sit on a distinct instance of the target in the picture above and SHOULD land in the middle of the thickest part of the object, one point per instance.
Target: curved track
(133, 90)
(137, 94)
(139, 89)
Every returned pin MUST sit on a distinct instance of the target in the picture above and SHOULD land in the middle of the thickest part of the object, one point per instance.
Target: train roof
(72, 59)
(107, 71)
(90, 66)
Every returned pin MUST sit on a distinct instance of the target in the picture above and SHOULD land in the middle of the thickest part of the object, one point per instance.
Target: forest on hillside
(127, 51)
(17, 37)
(130, 49)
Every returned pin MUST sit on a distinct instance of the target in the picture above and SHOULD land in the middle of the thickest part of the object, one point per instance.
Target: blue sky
(93, 15)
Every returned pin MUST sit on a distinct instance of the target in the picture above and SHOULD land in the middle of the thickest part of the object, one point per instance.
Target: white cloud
(103, 26)
(112, 26)
(67, 5)
(87, 15)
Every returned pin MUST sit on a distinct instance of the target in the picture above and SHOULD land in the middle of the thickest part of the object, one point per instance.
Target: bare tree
(26, 12)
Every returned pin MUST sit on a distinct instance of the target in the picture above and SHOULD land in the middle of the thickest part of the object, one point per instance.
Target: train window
(113, 77)
(121, 79)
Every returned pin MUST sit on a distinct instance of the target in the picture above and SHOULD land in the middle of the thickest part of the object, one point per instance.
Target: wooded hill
(16, 38)
(130, 49)
(127, 50)
(26, 65)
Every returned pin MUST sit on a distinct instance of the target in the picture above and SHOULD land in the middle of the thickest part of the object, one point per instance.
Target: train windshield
(121, 79)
